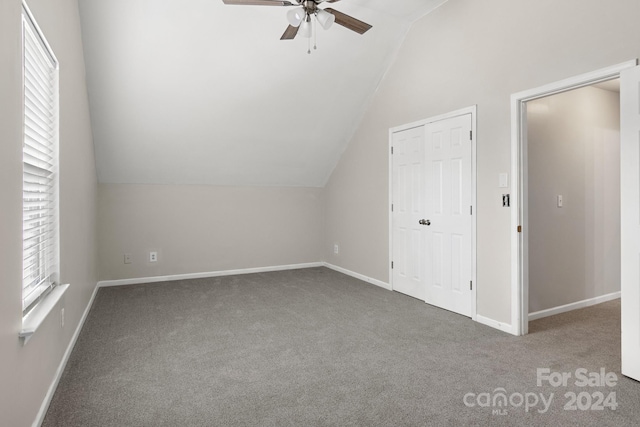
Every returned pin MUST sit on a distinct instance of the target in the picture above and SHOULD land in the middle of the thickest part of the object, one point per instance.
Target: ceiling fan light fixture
(295, 16)
(325, 19)
(306, 29)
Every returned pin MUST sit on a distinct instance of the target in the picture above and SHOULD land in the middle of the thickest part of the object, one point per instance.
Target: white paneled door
(448, 210)
(432, 217)
(630, 222)
(408, 190)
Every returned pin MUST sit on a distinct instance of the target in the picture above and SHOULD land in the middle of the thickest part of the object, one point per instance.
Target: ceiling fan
(300, 18)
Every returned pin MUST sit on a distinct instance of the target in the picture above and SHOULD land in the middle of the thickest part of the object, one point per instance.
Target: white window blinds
(40, 165)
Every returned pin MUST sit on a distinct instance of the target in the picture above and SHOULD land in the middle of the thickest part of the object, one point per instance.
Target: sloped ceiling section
(198, 92)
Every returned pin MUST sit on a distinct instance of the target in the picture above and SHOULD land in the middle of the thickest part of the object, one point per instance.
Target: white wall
(464, 53)
(198, 229)
(573, 151)
(28, 371)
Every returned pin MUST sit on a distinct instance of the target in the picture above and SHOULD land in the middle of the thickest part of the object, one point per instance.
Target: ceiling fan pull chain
(315, 35)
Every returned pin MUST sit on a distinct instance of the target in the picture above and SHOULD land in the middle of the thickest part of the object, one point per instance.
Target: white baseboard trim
(63, 363)
(504, 327)
(153, 279)
(573, 306)
(358, 276)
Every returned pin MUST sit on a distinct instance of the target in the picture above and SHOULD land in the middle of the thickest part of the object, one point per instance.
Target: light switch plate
(504, 180)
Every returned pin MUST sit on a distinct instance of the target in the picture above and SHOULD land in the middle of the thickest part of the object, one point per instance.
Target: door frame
(519, 190)
(461, 112)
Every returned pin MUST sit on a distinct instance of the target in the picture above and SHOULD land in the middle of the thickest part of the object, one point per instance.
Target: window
(40, 247)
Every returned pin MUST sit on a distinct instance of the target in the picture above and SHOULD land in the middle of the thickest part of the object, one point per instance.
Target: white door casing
(519, 219)
(449, 212)
(630, 219)
(408, 241)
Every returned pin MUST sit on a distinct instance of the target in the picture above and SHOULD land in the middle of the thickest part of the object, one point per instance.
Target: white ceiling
(198, 92)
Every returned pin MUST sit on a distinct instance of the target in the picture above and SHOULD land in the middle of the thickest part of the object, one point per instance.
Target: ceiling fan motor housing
(310, 6)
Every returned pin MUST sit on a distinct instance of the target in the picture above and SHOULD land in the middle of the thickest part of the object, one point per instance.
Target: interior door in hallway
(408, 203)
(630, 219)
(448, 211)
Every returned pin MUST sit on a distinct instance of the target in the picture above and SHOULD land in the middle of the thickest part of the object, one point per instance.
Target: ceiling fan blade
(259, 2)
(331, 1)
(290, 33)
(349, 22)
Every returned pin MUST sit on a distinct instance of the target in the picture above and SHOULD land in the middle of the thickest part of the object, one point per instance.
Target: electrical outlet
(62, 317)
(336, 249)
(128, 258)
(153, 256)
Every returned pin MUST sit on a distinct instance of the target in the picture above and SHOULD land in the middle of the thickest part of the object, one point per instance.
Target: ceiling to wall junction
(199, 92)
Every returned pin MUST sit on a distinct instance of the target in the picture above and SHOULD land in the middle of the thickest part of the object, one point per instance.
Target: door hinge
(391, 207)
(471, 285)
(471, 209)
(519, 229)
(392, 265)
(471, 135)
(391, 150)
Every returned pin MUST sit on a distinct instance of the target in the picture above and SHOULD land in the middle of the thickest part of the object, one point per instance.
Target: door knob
(424, 222)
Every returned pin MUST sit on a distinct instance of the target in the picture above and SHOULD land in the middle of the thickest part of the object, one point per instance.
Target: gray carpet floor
(317, 348)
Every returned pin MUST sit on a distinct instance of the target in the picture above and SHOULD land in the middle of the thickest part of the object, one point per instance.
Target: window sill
(36, 317)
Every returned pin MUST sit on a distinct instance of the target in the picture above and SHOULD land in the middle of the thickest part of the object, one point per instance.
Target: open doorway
(519, 214)
(573, 199)
(629, 74)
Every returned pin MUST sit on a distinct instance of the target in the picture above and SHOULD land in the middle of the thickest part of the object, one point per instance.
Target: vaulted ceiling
(199, 92)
